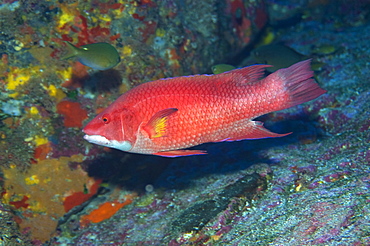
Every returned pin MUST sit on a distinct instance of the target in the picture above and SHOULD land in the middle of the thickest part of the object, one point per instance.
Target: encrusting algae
(38, 195)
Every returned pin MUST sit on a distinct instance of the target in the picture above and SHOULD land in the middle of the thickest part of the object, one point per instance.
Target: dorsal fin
(248, 74)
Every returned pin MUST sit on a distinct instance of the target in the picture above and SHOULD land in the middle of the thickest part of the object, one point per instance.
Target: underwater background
(308, 188)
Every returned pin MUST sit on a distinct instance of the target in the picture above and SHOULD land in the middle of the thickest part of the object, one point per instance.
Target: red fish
(165, 116)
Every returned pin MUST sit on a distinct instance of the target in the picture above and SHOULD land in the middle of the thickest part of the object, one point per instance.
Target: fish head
(108, 129)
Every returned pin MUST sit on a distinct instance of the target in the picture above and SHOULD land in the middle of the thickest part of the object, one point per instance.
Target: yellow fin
(157, 125)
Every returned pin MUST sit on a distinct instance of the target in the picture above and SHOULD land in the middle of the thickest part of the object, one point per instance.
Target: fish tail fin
(72, 51)
(298, 83)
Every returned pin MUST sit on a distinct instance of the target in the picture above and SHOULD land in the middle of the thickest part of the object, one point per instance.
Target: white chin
(100, 140)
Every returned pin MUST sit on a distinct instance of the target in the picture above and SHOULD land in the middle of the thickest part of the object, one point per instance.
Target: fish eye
(105, 119)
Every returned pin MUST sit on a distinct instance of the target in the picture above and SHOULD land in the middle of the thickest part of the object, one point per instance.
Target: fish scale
(165, 116)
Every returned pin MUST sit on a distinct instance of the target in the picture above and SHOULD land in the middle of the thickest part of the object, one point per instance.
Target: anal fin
(256, 131)
(178, 153)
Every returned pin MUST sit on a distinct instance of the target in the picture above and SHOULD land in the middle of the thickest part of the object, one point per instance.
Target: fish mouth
(100, 140)
(97, 139)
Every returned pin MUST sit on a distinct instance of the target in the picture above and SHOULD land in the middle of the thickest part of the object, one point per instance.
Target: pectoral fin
(178, 153)
(157, 125)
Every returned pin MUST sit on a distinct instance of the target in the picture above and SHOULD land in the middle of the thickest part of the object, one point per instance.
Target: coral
(20, 204)
(79, 197)
(42, 151)
(105, 211)
(72, 112)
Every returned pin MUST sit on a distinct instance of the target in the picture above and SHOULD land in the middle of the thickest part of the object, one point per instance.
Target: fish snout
(103, 141)
(97, 139)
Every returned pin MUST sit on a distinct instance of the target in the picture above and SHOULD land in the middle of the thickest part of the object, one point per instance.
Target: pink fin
(178, 153)
(299, 83)
(157, 125)
(250, 74)
(257, 131)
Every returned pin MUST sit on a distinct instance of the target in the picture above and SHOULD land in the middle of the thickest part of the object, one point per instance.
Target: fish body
(277, 55)
(165, 116)
(100, 56)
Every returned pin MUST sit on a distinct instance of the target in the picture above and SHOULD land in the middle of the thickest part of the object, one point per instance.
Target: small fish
(221, 68)
(100, 56)
(276, 55)
(324, 49)
(165, 116)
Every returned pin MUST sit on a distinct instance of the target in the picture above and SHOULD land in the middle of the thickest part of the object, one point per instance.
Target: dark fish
(100, 56)
(277, 55)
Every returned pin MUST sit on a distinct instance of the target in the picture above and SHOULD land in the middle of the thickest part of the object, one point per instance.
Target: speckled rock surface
(308, 188)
